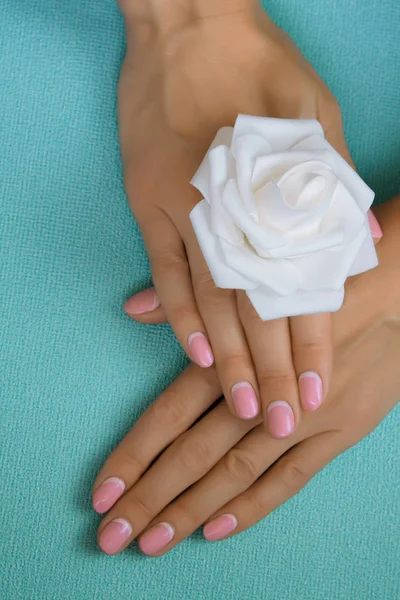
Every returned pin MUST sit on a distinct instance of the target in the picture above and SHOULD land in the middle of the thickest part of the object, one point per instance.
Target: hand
(175, 92)
(228, 472)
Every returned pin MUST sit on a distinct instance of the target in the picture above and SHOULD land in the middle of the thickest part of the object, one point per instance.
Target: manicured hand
(213, 468)
(175, 93)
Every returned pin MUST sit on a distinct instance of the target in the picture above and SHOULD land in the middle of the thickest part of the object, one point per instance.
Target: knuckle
(141, 505)
(240, 467)
(315, 347)
(170, 412)
(134, 466)
(206, 289)
(195, 454)
(166, 260)
(294, 476)
(273, 377)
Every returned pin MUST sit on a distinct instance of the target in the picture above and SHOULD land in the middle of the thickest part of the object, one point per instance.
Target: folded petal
(344, 210)
(329, 268)
(358, 189)
(281, 134)
(201, 179)
(258, 235)
(270, 306)
(274, 166)
(223, 275)
(246, 149)
(366, 258)
(281, 276)
(221, 169)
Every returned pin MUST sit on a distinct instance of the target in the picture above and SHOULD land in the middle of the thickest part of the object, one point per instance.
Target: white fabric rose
(284, 216)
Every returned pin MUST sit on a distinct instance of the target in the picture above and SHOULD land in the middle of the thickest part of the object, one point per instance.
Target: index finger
(190, 395)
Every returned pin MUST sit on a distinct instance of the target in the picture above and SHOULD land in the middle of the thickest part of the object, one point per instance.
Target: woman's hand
(184, 77)
(228, 472)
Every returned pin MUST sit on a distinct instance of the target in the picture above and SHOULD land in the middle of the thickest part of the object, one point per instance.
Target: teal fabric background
(75, 372)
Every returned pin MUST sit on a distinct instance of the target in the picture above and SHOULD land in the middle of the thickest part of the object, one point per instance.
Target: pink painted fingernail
(107, 494)
(114, 536)
(220, 528)
(376, 230)
(156, 538)
(311, 394)
(141, 303)
(245, 400)
(280, 419)
(201, 350)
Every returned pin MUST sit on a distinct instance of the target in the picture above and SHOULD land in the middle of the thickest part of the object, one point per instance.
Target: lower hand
(229, 473)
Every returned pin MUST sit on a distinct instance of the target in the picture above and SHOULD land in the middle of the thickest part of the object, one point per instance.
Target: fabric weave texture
(75, 372)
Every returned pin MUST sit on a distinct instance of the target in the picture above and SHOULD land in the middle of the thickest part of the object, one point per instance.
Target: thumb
(145, 307)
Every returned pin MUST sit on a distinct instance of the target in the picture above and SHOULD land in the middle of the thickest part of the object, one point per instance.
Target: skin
(184, 77)
(223, 465)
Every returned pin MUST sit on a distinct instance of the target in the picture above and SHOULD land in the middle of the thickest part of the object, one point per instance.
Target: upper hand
(174, 94)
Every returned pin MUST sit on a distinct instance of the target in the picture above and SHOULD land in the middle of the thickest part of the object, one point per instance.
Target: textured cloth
(75, 372)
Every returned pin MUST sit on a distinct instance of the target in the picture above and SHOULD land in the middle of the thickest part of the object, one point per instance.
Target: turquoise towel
(75, 372)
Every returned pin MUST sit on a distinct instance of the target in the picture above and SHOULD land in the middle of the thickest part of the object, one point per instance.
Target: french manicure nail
(154, 540)
(280, 419)
(201, 350)
(376, 230)
(311, 391)
(107, 494)
(245, 400)
(114, 536)
(219, 528)
(141, 303)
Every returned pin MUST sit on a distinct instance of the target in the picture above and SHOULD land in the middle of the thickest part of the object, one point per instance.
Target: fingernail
(220, 528)
(107, 494)
(280, 419)
(311, 394)
(114, 536)
(376, 230)
(201, 350)
(156, 538)
(143, 302)
(245, 400)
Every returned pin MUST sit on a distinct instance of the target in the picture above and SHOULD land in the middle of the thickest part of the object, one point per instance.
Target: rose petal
(308, 245)
(201, 179)
(329, 269)
(270, 306)
(275, 166)
(281, 134)
(281, 276)
(221, 169)
(261, 236)
(343, 210)
(224, 277)
(366, 258)
(246, 149)
(358, 189)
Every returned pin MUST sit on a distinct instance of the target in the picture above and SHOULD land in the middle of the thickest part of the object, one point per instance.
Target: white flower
(284, 216)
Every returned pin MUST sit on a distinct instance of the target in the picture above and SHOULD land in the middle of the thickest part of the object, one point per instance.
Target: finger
(173, 283)
(192, 393)
(233, 474)
(270, 347)
(288, 476)
(312, 352)
(376, 230)
(232, 355)
(145, 307)
(181, 465)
